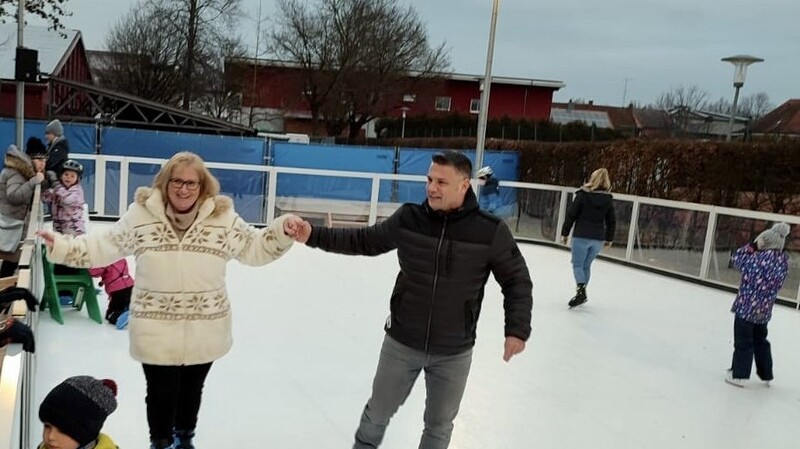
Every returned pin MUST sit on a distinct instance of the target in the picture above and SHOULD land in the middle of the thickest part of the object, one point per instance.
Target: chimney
(591, 102)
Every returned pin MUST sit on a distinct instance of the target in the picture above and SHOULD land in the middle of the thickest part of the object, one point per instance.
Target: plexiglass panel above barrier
(692, 240)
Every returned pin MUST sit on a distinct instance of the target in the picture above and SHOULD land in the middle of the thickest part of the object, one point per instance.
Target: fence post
(797, 304)
(124, 168)
(708, 244)
(373, 201)
(632, 230)
(100, 185)
(562, 214)
(272, 190)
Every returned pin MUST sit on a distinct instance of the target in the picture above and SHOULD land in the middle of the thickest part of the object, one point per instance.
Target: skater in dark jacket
(764, 265)
(447, 248)
(58, 146)
(592, 214)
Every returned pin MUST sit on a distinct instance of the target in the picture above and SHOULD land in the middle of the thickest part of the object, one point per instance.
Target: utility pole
(255, 66)
(625, 91)
(20, 84)
(483, 115)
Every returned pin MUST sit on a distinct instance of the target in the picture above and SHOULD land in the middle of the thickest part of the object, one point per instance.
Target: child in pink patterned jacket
(67, 199)
(118, 284)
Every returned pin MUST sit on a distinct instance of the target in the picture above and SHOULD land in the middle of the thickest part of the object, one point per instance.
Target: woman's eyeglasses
(177, 184)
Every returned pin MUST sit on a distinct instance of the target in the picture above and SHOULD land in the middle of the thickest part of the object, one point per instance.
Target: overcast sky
(589, 45)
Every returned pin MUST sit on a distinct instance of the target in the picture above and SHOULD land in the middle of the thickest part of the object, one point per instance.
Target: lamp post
(483, 114)
(403, 110)
(20, 108)
(740, 63)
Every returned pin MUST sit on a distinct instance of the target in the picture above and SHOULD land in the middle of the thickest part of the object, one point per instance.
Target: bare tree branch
(153, 56)
(198, 21)
(691, 97)
(50, 10)
(355, 57)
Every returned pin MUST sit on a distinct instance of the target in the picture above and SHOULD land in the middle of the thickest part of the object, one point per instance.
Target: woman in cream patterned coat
(182, 234)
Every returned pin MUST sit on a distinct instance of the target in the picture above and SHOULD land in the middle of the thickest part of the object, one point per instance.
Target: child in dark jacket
(764, 266)
(118, 283)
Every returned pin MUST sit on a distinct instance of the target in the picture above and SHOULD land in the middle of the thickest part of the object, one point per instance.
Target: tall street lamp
(740, 63)
(20, 108)
(483, 114)
(404, 110)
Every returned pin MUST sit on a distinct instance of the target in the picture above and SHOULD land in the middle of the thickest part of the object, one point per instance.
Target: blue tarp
(416, 161)
(412, 161)
(81, 139)
(81, 136)
(247, 191)
(345, 158)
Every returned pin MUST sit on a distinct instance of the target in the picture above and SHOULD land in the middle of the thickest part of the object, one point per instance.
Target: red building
(781, 122)
(62, 57)
(273, 99)
(515, 98)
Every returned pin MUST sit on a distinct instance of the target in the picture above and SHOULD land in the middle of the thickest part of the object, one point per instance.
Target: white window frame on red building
(438, 107)
(475, 106)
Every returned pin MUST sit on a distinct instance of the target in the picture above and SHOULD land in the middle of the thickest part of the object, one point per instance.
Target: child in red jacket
(118, 284)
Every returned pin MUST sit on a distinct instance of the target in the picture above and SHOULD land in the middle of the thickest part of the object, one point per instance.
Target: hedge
(757, 176)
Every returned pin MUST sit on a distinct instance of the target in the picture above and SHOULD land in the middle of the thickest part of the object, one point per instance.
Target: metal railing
(17, 372)
(687, 239)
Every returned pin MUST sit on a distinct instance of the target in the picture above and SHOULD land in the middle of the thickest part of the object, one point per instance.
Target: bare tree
(397, 47)
(691, 98)
(152, 56)
(354, 57)
(50, 10)
(306, 37)
(754, 106)
(221, 92)
(202, 24)
(145, 56)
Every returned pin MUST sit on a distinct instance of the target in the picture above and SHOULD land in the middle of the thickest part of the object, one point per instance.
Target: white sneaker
(733, 381)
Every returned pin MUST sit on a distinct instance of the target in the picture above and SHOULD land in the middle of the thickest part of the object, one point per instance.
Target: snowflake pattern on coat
(763, 274)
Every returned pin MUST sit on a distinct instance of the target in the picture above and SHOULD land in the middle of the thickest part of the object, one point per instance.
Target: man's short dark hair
(455, 159)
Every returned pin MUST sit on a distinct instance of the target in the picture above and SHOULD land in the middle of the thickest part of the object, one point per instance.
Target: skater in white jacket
(183, 234)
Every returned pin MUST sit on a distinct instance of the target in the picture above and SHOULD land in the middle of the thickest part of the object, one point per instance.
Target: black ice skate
(580, 296)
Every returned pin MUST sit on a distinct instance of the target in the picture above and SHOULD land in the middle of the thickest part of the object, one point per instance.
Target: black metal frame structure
(78, 102)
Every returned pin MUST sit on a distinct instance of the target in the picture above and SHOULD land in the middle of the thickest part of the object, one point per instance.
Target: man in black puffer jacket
(447, 247)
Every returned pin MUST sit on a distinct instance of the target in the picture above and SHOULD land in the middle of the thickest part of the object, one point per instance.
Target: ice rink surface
(641, 365)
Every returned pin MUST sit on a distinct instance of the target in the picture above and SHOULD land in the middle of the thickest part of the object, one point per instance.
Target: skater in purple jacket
(66, 196)
(764, 265)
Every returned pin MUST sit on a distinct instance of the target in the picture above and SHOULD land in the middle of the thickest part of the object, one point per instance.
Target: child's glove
(14, 331)
(11, 294)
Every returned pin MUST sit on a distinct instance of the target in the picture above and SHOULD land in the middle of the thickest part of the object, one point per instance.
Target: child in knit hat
(57, 146)
(764, 266)
(74, 411)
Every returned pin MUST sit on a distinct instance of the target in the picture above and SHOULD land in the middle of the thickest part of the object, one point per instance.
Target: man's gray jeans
(398, 368)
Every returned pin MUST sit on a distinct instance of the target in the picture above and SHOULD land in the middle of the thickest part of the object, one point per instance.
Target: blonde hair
(209, 186)
(599, 181)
